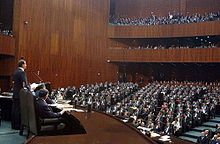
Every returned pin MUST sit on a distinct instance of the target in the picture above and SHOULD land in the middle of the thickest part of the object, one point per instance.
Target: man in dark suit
(43, 109)
(36, 93)
(203, 139)
(66, 123)
(19, 82)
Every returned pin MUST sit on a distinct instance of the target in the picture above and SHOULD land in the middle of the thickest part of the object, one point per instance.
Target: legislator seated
(66, 123)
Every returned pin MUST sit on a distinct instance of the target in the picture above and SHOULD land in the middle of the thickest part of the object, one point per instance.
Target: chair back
(24, 108)
(32, 117)
(0, 116)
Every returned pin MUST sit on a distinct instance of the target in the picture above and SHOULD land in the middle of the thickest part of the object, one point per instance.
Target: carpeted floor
(193, 134)
(9, 136)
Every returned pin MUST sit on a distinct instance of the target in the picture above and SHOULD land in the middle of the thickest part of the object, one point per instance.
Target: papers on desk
(61, 101)
(66, 107)
(133, 107)
(153, 134)
(34, 85)
(7, 94)
(144, 128)
(165, 138)
(61, 106)
(125, 120)
(73, 109)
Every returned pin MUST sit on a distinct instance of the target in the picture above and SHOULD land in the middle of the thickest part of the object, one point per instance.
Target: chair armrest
(49, 121)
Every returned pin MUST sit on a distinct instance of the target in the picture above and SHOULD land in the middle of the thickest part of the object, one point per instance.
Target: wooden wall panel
(142, 73)
(202, 6)
(183, 30)
(137, 8)
(7, 45)
(172, 55)
(4, 83)
(7, 66)
(182, 7)
(65, 42)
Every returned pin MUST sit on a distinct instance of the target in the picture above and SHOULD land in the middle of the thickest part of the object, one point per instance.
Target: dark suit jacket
(203, 140)
(48, 100)
(20, 81)
(44, 111)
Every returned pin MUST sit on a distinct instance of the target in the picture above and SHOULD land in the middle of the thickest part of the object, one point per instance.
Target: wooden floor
(100, 129)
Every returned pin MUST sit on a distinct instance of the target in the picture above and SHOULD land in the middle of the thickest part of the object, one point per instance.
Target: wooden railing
(162, 31)
(168, 55)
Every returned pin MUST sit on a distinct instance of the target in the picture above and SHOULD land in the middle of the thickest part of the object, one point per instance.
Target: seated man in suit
(68, 123)
(43, 109)
(203, 139)
(36, 93)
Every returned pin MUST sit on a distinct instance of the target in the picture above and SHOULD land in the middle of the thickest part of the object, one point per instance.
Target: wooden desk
(5, 97)
(101, 129)
(6, 105)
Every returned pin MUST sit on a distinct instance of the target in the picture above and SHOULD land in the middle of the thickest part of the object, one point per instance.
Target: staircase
(193, 134)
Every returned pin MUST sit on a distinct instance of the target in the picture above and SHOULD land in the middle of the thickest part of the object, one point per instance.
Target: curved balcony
(167, 55)
(162, 31)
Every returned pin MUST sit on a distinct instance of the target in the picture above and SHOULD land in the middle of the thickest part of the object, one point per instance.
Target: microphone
(41, 82)
(37, 76)
(35, 86)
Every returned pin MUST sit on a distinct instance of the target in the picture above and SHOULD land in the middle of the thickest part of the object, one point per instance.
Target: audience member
(164, 20)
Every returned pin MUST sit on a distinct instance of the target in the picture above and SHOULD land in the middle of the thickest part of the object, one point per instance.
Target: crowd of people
(164, 20)
(173, 43)
(5, 31)
(169, 107)
(165, 107)
(102, 96)
(209, 137)
(210, 45)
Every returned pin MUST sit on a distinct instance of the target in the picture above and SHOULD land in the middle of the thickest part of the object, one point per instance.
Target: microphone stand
(39, 78)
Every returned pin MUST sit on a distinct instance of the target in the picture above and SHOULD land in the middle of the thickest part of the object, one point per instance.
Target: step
(192, 134)
(5, 128)
(210, 124)
(188, 139)
(201, 128)
(216, 119)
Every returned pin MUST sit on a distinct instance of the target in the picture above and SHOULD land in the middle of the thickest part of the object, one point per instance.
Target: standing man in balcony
(19, 81)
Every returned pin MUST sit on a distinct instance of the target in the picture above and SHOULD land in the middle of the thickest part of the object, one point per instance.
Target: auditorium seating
(164, 20)
(196, 42)
(166, 107)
